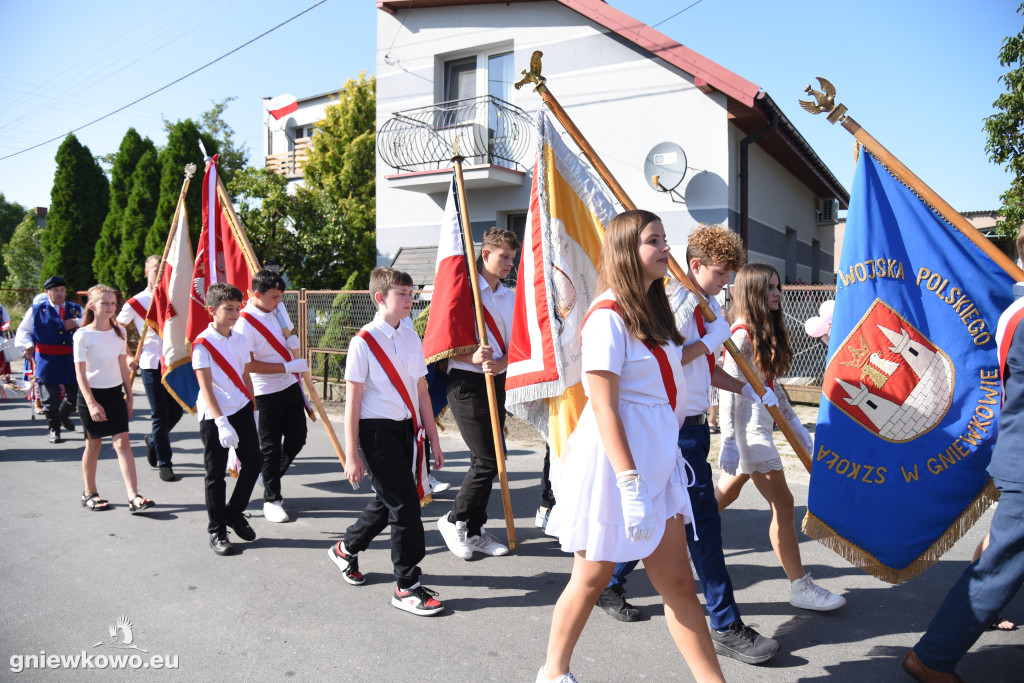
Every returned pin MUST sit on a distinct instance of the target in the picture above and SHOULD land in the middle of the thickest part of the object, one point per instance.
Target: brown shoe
(916, 669)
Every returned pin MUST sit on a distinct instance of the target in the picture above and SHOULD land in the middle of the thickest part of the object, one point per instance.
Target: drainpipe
(773, 124)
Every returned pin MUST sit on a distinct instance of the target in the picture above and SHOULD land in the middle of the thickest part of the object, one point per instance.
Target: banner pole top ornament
(533, 75)
(456, 157)
(190, 170)
(824, 102)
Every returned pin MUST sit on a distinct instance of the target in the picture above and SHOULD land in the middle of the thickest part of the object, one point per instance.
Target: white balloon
(816, 327)
(825, 310)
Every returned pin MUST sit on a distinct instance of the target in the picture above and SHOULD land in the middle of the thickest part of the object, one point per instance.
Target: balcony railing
(290, 164)
(490, 131)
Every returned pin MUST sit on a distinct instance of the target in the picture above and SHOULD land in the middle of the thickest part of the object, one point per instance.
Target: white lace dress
(747, 427)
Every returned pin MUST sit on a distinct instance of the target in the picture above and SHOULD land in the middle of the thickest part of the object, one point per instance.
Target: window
(460, 79)
(471, 86)
(516, 222)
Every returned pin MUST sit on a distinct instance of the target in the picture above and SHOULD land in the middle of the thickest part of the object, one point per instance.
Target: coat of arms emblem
(889, 377)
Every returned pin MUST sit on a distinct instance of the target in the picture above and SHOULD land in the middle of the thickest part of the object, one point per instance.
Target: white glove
(226, 433)
(768, 400)
(717, 334)
(802, 434)
(729, 458)
(637, 510)
(293, 342)
(297, 365)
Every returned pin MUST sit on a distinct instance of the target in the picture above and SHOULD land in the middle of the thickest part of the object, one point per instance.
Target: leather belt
(694, 420)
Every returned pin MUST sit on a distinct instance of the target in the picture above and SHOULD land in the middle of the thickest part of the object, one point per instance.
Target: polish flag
(282, 105)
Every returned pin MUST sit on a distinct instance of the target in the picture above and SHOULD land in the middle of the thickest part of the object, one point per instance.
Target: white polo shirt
(500, 302)
(381, 399)
(152, 348)
(697, 372)
(235, 350)
(264, 383)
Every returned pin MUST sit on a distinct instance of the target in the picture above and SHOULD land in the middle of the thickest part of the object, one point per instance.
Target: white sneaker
(436, 486)
(274, 512)
(541, 520)
(454, 535)
(805, 594)
(487, 544)
(564, 678)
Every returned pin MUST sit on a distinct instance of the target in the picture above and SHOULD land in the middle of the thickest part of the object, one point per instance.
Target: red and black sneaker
(348, 564)
(418, 600)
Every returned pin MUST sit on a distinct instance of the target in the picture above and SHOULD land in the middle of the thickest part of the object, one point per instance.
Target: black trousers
(282, 431)
(387, 451)
(164, 415)
(467, 398)
(49, 395)
(215, 458)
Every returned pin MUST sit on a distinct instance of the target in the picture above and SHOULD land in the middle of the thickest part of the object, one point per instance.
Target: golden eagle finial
(534, 73)
(824, 102)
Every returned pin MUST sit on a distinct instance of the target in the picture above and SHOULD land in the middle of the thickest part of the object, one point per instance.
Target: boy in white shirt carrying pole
(276, 373)
(225, 411)
(388, 413)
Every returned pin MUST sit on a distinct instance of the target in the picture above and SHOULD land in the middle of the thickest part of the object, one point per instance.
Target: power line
(676, 14)
(174, 82)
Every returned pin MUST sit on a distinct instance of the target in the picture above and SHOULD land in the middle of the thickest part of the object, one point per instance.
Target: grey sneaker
(564, 678)
(806, 594)
(487, 544)
(741, 642)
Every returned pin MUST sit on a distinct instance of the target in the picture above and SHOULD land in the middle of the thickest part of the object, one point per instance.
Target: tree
(267, 212)
(182, 148)
(1005, 131)
(233, 158)
(130, 269)
(79, 201)
(122, 166)
(336, 213)
(11, 214)
(23, 255)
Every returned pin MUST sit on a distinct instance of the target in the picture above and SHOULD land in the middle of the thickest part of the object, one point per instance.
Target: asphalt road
(280, 609)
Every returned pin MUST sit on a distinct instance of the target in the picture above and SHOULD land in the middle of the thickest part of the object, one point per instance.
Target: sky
(919, 75)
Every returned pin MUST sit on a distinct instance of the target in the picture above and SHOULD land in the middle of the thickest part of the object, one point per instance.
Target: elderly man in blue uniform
(49, 327)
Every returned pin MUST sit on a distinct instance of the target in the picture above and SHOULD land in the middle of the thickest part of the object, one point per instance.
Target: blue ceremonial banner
(911, 393)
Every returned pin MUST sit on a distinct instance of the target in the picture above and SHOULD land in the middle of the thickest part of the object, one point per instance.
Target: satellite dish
(665, 166)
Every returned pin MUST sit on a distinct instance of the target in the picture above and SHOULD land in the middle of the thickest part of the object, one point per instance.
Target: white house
(722, 149)
(286, 142)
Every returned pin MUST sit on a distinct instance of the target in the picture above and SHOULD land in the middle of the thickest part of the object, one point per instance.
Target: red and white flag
(451, 329)
(282, 105)
(168, 316)
(220, 257)
(557, 282)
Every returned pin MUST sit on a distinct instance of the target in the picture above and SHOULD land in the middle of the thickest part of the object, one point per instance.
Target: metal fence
(810, 354)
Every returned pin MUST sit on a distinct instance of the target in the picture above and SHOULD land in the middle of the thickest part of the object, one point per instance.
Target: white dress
(588, 515)
(747, 427)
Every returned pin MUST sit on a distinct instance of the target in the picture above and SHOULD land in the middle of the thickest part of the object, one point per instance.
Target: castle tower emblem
(889, 377)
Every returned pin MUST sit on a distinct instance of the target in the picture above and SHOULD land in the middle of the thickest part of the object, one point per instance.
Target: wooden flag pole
(677, 272)
(481, 330)
(250, 257)
(190, 170)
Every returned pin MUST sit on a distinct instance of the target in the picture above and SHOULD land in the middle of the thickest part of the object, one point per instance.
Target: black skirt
(113, 403)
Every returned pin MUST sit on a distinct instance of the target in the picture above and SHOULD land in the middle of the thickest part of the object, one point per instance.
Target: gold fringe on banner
(857, 556)
(458, 351)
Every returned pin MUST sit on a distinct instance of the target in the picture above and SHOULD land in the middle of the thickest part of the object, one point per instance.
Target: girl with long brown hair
(623, 492)
(105, 396)
(748, 448)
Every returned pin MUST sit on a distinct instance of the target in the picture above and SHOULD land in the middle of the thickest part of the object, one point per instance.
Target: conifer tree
(138, 216)
(79, 201)
(11, 214)
(23, 255)
(109, 244)
(182, 148)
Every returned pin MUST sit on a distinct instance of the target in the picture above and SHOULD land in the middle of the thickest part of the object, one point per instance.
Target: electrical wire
(676, 14)
(174, 82)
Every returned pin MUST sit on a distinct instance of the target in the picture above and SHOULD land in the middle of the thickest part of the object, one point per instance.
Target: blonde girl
(623, 493)
(748, 449)
(105, 396)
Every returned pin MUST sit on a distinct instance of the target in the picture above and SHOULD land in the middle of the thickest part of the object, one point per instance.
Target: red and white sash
(701, 328)
(223, 364)
(493, 327)
(281, 350)
(137, 306)
(667, 376)
(1005, 330)
(419, 460)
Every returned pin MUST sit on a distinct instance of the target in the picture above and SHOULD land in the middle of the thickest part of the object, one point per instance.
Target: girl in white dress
(623, 492)
(748, 447)
(105, 396)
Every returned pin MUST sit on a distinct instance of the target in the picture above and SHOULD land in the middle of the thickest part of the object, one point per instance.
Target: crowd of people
(636, 485)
